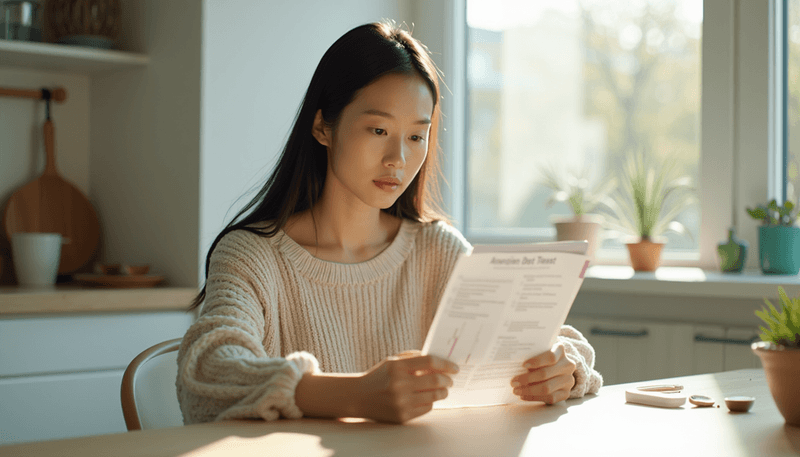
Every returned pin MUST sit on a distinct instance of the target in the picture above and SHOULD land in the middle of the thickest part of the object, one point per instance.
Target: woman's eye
(417, 138)
(379, 131)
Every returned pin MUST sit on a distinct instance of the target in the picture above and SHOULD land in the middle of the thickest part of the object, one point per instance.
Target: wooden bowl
(107, 268)
(133, 270)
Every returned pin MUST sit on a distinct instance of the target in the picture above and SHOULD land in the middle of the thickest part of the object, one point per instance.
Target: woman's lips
(387, 185)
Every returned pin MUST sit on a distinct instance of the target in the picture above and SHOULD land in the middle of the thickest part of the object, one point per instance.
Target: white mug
(36, 257)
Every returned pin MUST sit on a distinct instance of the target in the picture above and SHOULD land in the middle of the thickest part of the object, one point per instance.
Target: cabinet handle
(606, 332)
(700, 338)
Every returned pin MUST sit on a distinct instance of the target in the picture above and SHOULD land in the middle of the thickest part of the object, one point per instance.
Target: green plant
(774, 214)
(574, 189)
(650, 200)
(784, 326)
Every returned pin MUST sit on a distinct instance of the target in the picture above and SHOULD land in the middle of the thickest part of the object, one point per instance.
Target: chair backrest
(148, 388)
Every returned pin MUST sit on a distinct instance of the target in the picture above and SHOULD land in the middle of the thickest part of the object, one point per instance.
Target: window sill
(687, 281)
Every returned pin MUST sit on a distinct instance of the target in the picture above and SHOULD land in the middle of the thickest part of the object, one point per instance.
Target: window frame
(740, 121)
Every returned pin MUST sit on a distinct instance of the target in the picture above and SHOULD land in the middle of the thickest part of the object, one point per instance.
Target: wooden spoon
(51, 204)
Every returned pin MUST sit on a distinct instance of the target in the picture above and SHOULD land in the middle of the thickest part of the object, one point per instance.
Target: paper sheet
(502, 306)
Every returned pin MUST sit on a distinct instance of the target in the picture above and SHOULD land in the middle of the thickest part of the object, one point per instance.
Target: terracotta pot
(645, 255)
(782, 370)
(579, 228)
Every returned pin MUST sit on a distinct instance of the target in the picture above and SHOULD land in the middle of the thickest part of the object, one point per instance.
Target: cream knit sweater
(274, 312)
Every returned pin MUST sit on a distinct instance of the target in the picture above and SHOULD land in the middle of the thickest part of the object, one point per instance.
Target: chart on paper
(465, 342)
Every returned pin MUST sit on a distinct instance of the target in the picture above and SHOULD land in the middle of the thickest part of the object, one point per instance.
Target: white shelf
(74, 59)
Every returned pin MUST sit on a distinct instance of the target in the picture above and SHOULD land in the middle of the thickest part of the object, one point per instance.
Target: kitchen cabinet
(636, 350)
(60, 376)
(629, 351)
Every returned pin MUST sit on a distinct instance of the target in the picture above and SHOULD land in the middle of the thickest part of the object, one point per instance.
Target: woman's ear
(320, 130)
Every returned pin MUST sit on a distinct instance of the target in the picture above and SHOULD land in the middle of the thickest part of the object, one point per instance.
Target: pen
(662, 388)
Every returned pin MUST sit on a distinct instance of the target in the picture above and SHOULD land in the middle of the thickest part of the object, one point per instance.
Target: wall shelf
(64, 58)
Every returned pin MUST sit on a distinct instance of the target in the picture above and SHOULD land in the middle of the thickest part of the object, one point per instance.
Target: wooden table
(593, 426)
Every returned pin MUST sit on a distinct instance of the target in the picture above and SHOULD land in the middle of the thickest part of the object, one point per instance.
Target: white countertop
(686, 281)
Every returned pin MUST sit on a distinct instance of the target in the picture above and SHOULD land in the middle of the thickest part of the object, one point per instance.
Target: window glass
(793, 100)
(576, 85)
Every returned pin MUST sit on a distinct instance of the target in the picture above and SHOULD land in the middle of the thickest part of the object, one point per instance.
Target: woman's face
(381, 140)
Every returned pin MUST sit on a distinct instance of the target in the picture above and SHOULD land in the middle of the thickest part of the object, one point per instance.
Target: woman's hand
(405, 386)
(549, 377)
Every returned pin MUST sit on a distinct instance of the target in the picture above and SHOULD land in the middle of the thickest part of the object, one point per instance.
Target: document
(503, 305)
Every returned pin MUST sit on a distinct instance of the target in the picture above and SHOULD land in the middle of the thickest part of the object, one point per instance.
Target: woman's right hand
(405, 386)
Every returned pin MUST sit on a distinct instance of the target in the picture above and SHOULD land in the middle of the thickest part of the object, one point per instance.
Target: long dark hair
(355, 60)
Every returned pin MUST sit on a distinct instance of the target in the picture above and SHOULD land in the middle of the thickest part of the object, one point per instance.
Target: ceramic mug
(36, 257)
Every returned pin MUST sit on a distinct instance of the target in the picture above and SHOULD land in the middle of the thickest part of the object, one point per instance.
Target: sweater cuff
(581, 353)
(584, 382)
(279, 399)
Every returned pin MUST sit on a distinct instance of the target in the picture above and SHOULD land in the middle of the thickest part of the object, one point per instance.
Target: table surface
(602, 424)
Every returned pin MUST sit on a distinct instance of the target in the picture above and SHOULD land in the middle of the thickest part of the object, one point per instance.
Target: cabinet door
(62, 344)
(709, 349)
(39, 408)
(738, 354)
(605, 348)
(629, 351)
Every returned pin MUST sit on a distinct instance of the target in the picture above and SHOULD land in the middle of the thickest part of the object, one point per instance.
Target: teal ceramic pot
(779, 249)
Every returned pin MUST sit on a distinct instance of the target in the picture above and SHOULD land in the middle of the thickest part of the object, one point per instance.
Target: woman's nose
(395, 156)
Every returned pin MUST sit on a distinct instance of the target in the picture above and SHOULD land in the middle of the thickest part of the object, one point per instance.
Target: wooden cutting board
(51, 204)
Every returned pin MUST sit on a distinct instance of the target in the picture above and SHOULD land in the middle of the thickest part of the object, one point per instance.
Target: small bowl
(739, 404)
(107, 268)
(134, 270)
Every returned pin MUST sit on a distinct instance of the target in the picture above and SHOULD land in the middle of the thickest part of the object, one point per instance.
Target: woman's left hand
(549, 377)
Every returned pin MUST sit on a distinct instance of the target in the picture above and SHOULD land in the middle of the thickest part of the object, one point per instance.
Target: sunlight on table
(651, 431)
(283, 443)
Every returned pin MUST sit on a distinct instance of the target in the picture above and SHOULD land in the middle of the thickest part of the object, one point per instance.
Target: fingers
(549, 383)
(546, 358)
(562, 367)
(550, 391)
(433, 381)
(550, 399)
(408, 354)
(426, 363)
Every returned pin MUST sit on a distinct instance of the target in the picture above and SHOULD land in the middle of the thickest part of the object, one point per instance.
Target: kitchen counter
(75, 299)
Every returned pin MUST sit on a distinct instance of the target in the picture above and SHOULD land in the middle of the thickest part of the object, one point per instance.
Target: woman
(321, 290)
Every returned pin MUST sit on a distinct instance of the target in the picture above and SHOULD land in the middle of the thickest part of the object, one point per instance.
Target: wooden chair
(148, 388)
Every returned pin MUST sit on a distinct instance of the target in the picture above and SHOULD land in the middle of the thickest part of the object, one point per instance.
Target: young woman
(321, 291)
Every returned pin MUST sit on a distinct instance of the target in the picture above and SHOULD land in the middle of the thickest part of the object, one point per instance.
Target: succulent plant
(784, 326)
(774, 214)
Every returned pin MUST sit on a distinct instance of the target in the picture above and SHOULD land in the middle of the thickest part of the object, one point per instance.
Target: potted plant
(582, 198)
(779, 352)
(778, 237)
(647, 206)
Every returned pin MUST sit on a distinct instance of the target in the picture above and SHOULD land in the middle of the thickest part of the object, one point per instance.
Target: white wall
(145, 157)
(258, 58)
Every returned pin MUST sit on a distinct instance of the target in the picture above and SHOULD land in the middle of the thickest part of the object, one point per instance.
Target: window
(576, 85)
(791, 41)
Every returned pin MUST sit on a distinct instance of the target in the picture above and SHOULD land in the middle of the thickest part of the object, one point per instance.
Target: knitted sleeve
(578, 349)
(229, 363)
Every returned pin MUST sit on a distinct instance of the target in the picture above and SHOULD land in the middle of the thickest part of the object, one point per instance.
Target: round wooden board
(51, 204)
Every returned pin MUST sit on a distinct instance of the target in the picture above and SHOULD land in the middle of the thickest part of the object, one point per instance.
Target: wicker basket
(84, 22)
